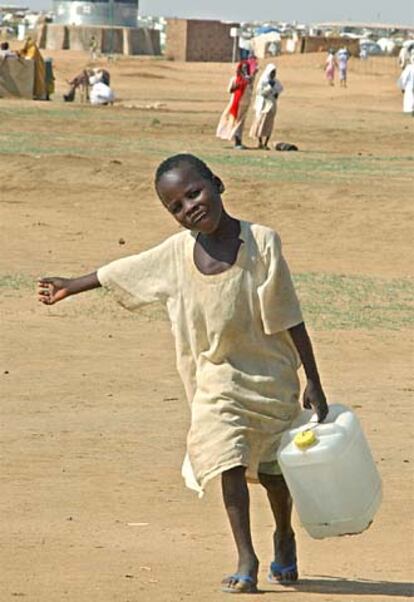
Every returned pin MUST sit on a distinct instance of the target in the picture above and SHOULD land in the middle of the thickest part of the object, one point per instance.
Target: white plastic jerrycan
(330, 473)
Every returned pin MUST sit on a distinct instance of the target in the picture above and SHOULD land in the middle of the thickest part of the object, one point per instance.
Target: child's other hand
(50, 290)
(314, 398)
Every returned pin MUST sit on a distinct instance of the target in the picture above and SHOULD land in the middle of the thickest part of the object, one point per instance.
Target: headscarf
(265, 77)
(31, 51)
(241, 83)
(253, 64)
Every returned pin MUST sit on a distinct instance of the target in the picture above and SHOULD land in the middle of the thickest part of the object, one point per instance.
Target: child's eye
(193, 194)
(176, 208)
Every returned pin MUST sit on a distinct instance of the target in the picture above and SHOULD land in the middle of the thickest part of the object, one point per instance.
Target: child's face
(193, 200)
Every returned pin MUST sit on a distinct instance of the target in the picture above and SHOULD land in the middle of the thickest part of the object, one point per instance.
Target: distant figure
(406, 84)
(32, 52)
(253, 64)
(330, 65)
(5, 51)
(49, 78)
(100, 93)
(267, 92)
(79, 82)
(93, 86)
(93, 47)
(404, 56)
(342, 58)
(232, 121)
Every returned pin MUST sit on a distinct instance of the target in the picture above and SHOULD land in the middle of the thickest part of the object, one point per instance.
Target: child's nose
(190, 206)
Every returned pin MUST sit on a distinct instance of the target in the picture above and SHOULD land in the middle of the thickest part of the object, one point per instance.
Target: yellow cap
(305, 439)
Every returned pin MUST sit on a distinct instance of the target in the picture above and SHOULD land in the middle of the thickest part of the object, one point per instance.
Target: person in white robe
(406, 84)
(100, 93)
(267, 92)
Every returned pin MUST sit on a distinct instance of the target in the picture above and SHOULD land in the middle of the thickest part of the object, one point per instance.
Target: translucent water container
(330, 473)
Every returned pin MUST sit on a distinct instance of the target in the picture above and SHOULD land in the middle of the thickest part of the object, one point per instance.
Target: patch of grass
(76, 144)
(340, 302)
(15, 282)
(329, 301)
(124, 132)
(302, 167)
(66, 112)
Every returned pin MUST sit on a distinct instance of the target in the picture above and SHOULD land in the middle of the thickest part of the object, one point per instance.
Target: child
(342, 61)
(239, 337)
(93, 48)
(330, 65)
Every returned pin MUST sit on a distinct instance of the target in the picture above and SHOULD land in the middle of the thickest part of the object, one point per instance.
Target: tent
(266, 44)
(16, 77)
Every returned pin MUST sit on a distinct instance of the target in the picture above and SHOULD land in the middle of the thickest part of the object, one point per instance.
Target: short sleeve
(279, 304)
(144, 278)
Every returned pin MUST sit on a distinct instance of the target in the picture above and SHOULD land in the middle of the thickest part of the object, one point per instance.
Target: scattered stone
(121, 241)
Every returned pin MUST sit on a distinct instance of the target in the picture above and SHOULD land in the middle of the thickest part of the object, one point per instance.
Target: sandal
(280, 574)
(239, 584)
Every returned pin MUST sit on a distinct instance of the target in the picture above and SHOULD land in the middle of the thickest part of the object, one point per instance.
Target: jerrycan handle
(307, 437)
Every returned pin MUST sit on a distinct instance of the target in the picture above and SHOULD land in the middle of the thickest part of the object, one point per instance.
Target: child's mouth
(199, 218)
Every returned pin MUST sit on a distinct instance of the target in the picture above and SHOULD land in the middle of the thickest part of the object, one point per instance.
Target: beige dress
(235, 357)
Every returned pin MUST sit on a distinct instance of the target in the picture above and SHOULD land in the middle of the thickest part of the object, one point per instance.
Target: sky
(303, 11)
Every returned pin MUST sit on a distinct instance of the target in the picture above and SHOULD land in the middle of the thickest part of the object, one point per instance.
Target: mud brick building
(199, 40)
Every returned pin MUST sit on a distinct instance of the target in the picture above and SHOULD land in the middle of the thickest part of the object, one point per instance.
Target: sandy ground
(93, 413)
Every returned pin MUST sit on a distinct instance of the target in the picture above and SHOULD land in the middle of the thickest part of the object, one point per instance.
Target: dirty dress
(235, 356)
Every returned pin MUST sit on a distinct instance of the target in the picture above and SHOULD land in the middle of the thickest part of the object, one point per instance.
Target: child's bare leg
(237, 503)
(284, 536)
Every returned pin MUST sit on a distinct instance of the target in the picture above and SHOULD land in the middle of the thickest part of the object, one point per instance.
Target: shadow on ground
(321, 584)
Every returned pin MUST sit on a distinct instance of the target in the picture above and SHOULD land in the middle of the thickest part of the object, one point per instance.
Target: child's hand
(314, 398)
(52, 289)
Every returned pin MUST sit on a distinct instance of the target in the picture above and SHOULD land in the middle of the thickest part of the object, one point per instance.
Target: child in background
(342, 58)
(239, 338)
(330, 65)
(93, 48)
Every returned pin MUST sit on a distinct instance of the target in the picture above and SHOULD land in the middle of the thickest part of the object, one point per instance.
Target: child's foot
(244, 580)
(284, 569)
(239, 584)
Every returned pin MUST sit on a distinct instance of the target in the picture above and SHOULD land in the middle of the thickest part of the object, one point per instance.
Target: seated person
(98, 80)
(79, 80)
(5, 51)
(101, 93)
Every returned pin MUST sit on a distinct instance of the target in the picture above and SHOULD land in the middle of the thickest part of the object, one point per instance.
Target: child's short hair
(186, 159)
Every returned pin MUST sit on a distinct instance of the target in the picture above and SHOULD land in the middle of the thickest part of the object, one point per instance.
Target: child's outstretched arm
(52, 289)
(313, 395)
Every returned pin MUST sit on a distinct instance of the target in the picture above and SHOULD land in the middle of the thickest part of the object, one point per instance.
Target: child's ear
(220, 186)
